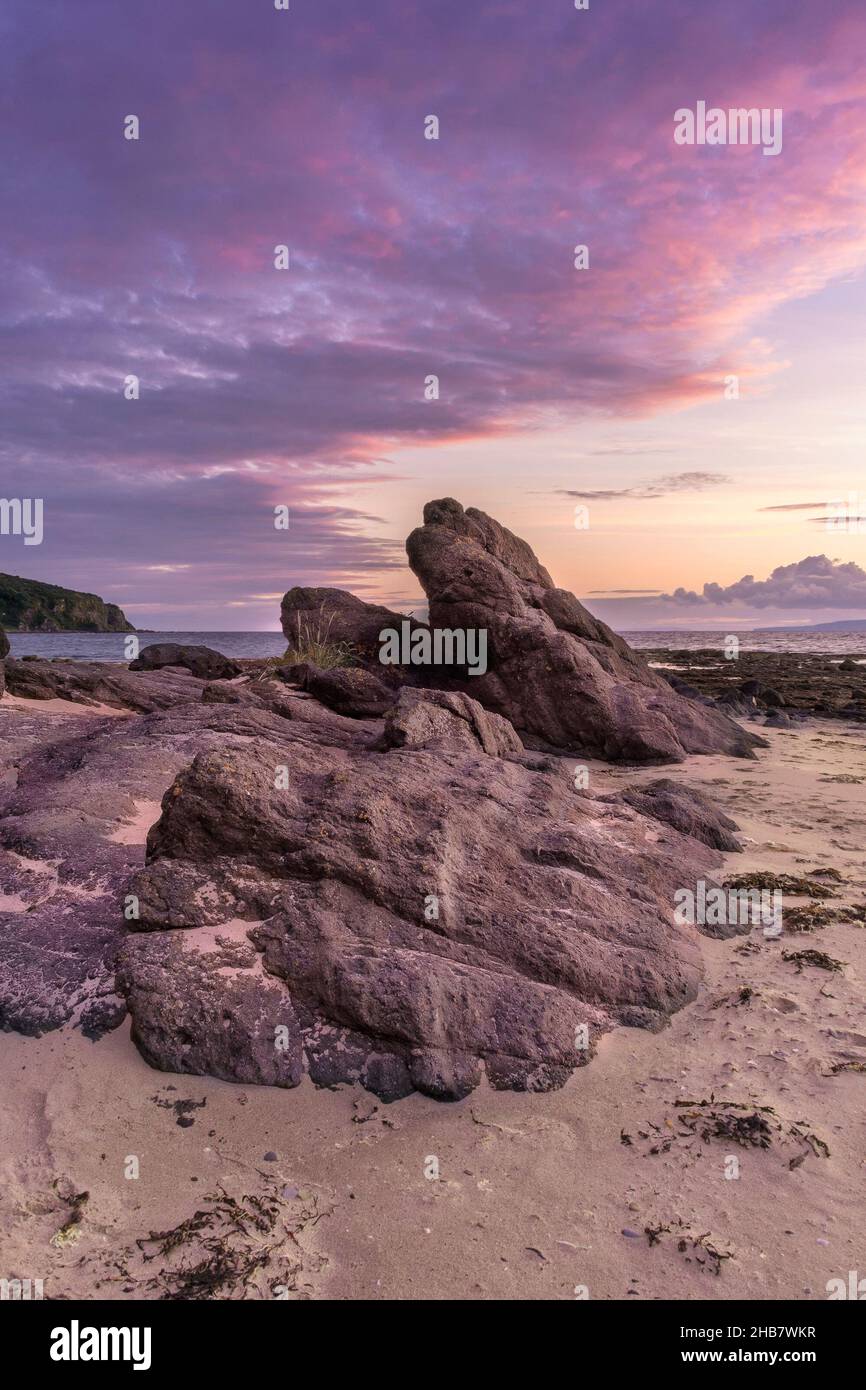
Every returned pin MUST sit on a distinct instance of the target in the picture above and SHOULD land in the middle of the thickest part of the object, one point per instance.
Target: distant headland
(27, 605)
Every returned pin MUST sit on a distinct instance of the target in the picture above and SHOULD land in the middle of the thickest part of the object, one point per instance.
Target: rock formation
(71, 790)
(349, 690)
(687, 810)
(202, 662)
(99, 683)
(336, 618)
(351, 880)
(432, 903)
(422, 718)
(559, 675)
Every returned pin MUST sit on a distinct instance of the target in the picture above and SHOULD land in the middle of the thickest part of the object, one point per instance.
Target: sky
(702, 501)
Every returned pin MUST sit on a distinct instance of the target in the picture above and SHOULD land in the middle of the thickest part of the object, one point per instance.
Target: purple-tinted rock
(689, 811)
(431, 911)
(350, 690)
(98, 683)
(202, 662)
(420, 718)
(207, 1008)
(558, 674)
(334, 617)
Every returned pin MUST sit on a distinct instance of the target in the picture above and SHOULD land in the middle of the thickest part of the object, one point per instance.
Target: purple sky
(454, 257)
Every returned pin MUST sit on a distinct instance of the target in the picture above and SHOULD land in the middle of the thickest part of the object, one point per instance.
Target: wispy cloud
(659, 487)
(794, 507)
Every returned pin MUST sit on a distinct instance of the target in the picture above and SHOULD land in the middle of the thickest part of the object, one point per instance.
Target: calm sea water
(831, 643)
(109, 646)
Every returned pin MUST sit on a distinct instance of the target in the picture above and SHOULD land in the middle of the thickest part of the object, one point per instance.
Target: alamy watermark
(18, 1290)
(854, 1288)
(77, 1343)
(22, 516)
(435, 646)
(736, 126)
(710, 906)
(846, 514)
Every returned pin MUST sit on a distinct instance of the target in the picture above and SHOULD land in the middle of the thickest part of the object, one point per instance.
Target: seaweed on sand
(751, 1126)
(713, 1255)
(769, 882)
(218, 1251)
(820, 959)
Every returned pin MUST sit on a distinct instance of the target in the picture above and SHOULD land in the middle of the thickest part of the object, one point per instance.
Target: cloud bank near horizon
(816, 586)
(814, 582)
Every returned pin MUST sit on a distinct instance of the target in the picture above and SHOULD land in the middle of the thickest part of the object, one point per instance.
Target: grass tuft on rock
(312, 643)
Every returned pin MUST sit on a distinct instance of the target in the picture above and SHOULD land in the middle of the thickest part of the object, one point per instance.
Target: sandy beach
(606, 1189)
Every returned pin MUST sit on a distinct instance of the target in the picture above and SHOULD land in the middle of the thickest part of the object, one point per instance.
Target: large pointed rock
(558, 674)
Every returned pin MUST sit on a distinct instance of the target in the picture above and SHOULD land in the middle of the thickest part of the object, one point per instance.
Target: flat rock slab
(72, 790)
(100, 683)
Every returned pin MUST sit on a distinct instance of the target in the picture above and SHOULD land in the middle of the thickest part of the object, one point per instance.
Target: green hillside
(26, 605)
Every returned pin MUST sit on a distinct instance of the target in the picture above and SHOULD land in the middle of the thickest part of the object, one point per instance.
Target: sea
(110, 646)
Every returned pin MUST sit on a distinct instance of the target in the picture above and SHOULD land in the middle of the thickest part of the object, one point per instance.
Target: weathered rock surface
(299, 706)
(210, 1009)
(4, 651)
(337, 617)
(687, 810)
(423, 718)
(350, 690)
(203, 662)
(98, 683)
(558, 674)
(75, 790)
(430, 910)
(255, 694)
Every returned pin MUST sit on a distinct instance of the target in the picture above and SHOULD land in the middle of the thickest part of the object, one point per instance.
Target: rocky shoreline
(388, 875)
(779, 685)
(314, 882)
